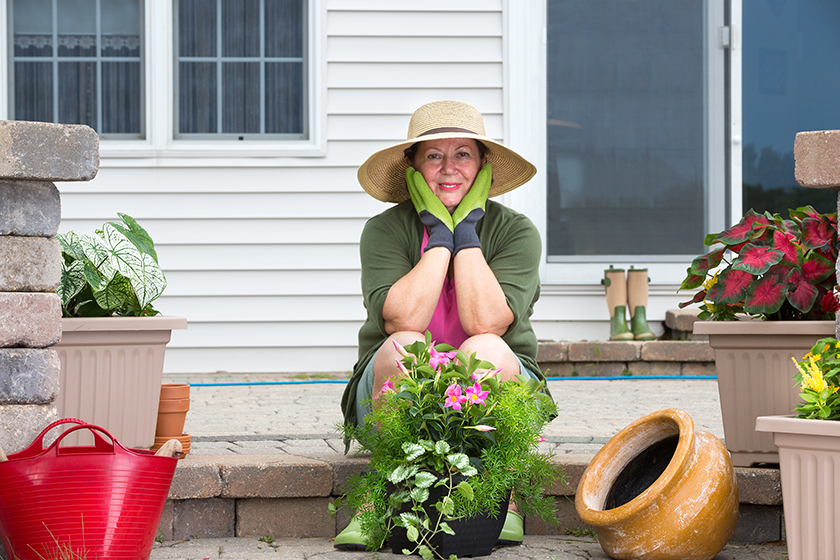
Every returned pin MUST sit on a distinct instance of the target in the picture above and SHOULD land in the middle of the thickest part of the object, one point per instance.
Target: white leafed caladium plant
(113, 272)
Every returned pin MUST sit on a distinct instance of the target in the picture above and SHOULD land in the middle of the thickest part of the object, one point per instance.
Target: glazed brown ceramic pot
(660, 490)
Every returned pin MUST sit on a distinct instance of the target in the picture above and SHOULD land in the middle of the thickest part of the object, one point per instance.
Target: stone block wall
(32, 156)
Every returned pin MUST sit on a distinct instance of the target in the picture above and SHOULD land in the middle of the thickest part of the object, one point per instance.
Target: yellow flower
(710, 282)
(812, 377)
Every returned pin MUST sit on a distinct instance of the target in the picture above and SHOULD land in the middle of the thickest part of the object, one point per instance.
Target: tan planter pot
(755, 377)
(809, 453)
(660, 490)
(111, 372)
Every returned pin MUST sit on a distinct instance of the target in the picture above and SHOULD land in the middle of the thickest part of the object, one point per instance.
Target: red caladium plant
(776, 268)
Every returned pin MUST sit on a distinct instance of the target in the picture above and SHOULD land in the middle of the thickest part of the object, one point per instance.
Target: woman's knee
(385, 362)
(494, 349)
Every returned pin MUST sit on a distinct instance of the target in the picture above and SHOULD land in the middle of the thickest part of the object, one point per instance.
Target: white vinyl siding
(260, 251)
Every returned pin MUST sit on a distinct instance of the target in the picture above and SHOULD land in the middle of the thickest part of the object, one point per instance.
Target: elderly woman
(445, 259)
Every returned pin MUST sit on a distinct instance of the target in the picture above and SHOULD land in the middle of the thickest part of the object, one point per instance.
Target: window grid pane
(76, 73)
(251, 41)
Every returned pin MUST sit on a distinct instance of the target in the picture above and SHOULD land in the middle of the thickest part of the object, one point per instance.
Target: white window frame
(160, 148)
(526, 114)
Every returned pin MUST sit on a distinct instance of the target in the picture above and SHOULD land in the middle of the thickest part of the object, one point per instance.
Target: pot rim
(614, 456)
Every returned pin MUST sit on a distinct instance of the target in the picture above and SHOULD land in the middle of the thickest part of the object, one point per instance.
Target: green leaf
(72, 281)
(425, 552)
(114, 294)
(441, 447)
(447, 506)
(70, 244)
(141, 269)
(96, 252)
(400, 473)
(412, 533)
(465, 489)
(469, 471)
(409, 520)
(420, 494)
(412, 450)
(444, 526)
(424, 479)
(137, 235)
(459, 461)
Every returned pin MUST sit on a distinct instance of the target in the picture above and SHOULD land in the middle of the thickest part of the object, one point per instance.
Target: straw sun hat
(383, 174)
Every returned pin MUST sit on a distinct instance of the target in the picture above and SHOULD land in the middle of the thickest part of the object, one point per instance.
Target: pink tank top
(445, 325)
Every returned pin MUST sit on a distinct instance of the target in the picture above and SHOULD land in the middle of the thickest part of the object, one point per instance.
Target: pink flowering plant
(449, 423)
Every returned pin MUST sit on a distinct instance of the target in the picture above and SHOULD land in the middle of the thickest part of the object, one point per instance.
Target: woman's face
(449, 166)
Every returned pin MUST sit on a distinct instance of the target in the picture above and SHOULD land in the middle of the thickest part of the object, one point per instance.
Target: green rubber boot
(639, 326)
(616, 285)
(618, 325)
(351, 538)
(637, 298)
(513, 530)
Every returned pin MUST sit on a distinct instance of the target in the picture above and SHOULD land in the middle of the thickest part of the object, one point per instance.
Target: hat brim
(382, 175)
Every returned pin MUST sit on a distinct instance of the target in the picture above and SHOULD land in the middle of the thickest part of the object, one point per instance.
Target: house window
(241, 69)
(627, 139)
(79, 62)
(791, 75)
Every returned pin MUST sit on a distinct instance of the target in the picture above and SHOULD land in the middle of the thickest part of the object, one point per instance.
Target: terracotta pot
(660, 490)
(809, 453)
(172, 391)
(755, 377)
(172, 410)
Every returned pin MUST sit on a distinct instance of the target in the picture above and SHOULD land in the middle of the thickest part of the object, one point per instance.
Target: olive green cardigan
(390, 248)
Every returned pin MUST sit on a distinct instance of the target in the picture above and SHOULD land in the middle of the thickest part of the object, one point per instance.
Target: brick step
(286, 496)
(613, 358)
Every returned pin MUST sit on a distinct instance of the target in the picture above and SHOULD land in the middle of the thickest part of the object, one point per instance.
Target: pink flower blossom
(402, 367)
(454, 398)
(403, 352)
(540, 439)
(440, 358)
(475, 395)
(483, 428)
(485, 375)
(387, 387)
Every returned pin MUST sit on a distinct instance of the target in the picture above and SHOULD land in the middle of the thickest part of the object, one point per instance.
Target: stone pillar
(817, 156)
(32, 156)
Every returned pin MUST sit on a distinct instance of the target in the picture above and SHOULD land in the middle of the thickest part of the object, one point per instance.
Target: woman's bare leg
(385, 363)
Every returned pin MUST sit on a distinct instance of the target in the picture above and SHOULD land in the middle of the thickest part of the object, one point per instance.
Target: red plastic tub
(102, 501)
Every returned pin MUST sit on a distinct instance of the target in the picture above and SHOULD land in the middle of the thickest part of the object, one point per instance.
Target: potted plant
(809, 452)
(449, 446)
(767, 292)
(113, 340)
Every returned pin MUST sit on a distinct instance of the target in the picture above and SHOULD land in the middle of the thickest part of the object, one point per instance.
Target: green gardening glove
(470, 210)
(431, 210)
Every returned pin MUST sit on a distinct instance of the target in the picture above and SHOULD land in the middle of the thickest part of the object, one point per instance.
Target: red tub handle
(37, 445)
(99, 444)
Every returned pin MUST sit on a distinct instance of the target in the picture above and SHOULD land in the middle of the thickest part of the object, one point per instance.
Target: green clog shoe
(513, 530)
(351, 538)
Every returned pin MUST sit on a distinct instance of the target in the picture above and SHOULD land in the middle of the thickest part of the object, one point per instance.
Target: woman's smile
(449, 166)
